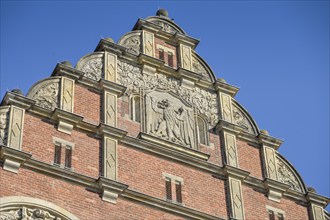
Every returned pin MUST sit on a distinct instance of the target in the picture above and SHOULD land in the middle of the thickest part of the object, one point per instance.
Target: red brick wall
(38, 140)
(144, 173)
(123, 118)
(87, 104)
(249, 159)
(213, 149)
(169, 46)
(255, 206)
(75, 199)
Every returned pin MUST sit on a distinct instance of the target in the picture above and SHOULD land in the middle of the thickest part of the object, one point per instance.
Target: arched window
(136, 108)
(202, 131)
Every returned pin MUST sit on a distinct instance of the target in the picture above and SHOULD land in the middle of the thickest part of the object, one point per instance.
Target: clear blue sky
(277, 52)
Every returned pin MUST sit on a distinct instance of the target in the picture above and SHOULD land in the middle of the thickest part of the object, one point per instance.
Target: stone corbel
(223, 87)
(110, 189)
(235, 172)
(275, 189)
(112, 87)
(66, 69)
(12, 158)
(112, 132)
(188, 78)
(149, 64)
(269, 141)
(18, 100)
(66, 121)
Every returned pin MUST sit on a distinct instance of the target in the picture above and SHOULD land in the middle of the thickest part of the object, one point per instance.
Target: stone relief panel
(236, 199)
(203, 101)
(231, 149)
(226, 107)
(185, 57)
(4, 119)
(270, 163)
(110, 109)
(198, 67)
(46, 93)
(286, 175)
(25, 213)
(15, 131)
(110, 67)
(168, 118)
(67, 94)
(92, 66)
(241, 119)
(166, 26)
(149, 44)
(110, 158)
(132, 41)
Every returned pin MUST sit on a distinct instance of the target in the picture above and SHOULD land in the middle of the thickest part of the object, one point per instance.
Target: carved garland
(287, 176)
(205, 102)
(27, 213)
(4, 118)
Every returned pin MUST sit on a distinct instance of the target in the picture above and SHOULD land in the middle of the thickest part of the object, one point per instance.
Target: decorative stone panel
(185, 55)
(132, 41)
(92, 65)
(15, 129)
(231, 149)
(46, 93)
(236, 199)
(203, 101)
(148, 44)
(110, 109)
(198, 67)
(226, 107)
(67, 94)
(4, 123)
(110, 67)
(270, 163)
(241, 119)
(110, 158)
(287, 175)
(317, 212)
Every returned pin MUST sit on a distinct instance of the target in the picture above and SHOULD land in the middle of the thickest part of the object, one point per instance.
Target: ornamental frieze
(46, 94)
(241, 120)
(197, 67)
(205, 102)
(25, 213)
(93, 68)
(133, 44)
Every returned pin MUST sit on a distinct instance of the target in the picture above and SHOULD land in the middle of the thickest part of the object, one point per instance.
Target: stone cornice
(18, 100)
(187, 40)
(222, 86)
(228, 127)
(112, 47)
(112, 87)
(12, 158)
(167, 206)
(110, 131)
(111, 189)
(189, 75)
(235, 172)
(269, 141)
(317, 199)
(67, 71)
(275, 189)
(175, 147)
(144, 59)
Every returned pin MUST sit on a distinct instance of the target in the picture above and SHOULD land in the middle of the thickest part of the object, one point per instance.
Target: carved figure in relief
(286, 176)
(171, 121)
(240, 120)
(133, 44)
(27, 214)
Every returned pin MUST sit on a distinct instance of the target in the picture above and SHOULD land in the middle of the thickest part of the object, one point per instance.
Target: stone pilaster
(234, 183)
(316, 205)
(110, 67)
(15, 128)
(185, 57)
(148, 43)
(67, 94)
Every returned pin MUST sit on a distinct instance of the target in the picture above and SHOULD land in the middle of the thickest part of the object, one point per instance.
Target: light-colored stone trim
(317, 212)
(63, 143)
(236, 198)
(15, 129)
(270, 162)
(67, 94)
(172, 177)
(165, 49)
(185, 57)
(110, 109)
(231, 149)
(148, 43)
(110, 163)
(275, 210)
(226, 107)
(110, 67)
(275, 189)
(13, 158)
(9, 202)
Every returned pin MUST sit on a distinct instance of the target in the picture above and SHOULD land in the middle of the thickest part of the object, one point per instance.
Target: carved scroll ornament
(287, 176)
(27, 214)
(197, 67)
(205, 102)
(93, 68)
(241, 120)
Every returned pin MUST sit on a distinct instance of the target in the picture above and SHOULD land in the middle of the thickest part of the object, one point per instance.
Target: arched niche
(92, 65)
(15, 207)
(46, 92)
(132, 41)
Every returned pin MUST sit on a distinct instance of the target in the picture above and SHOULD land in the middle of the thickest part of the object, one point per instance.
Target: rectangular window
(170, 59)
(57, 154)
(168, 186)
(161, 54)
(271, 215)
(68, 154)
(280, 216)
(275, 214)
(178, 192)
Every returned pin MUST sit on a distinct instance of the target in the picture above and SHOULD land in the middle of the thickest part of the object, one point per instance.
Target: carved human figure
(170, 120)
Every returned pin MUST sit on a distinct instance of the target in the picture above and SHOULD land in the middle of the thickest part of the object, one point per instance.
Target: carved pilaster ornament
(148, 44)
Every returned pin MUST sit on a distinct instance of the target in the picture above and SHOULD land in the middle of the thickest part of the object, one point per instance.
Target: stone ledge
(269, 141)
(110, 131)
(66, 121)
(12, 158)
(111, 189)
(226, 88)
(235, 172)
(275, 189)
(176, 147)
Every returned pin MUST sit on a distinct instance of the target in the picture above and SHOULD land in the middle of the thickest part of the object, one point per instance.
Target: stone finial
(162, 12)
(311, 189)
(265, 132)
(67, 63)
(17, 91)
(109, 39)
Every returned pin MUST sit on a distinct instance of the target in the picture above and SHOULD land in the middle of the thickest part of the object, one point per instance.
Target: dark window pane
(280, 216)
(57, 155)
(68, 158)
(178, 192)
(271, 215)
(137, 114)
(170, 60)
(161, 54)
(168, 189)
